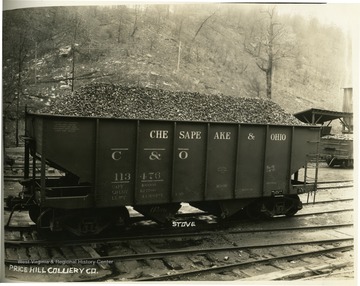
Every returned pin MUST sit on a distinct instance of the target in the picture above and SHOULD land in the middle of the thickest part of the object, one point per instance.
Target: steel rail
(335, 187)
(330, 201)
(334, 182)
(324, 212)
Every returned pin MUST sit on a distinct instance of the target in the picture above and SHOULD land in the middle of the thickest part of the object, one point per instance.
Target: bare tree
(202, 24)
(267, 45)
(136, 21)
(121, 23)
(253, 86)
(16, 49)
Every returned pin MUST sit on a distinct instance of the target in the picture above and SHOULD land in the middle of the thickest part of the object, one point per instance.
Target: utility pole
(19, 92)
(73, 67)
(179, 57)
(35, 66)
(73, 52)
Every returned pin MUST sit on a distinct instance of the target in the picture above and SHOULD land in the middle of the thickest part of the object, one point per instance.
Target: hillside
(191, 48)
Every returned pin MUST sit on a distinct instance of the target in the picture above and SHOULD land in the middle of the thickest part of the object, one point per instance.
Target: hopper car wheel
(295, 206)
(253, 211)
(124, 217)
(349, 163)
(44, 218)
(291, 212)
(9, 202)
(34, 213)
(332, 162)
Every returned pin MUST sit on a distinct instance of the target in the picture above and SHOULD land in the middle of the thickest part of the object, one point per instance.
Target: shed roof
(319, 116)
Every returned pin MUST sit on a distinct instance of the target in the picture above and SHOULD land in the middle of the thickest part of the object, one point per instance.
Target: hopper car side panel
(154, 163)
(67, 143)
(221, 159)
(277, 160)
(144, 162)
(305, 147)
(70, 143)
(250, 161)
(34, 130)
(115, 168)
(190, 152)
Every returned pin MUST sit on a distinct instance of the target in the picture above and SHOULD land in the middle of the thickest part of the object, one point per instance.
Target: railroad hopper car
(154, 166)
(335, 149)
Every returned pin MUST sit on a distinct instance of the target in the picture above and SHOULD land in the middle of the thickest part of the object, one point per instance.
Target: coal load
(116, 101)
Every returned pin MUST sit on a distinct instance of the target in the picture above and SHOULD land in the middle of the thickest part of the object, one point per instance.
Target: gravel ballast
(117, 101)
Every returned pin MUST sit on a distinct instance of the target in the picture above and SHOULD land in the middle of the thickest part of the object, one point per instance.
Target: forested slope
(206, 48)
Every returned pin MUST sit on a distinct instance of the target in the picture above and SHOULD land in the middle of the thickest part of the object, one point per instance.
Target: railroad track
(238, 270)
(181, 257)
